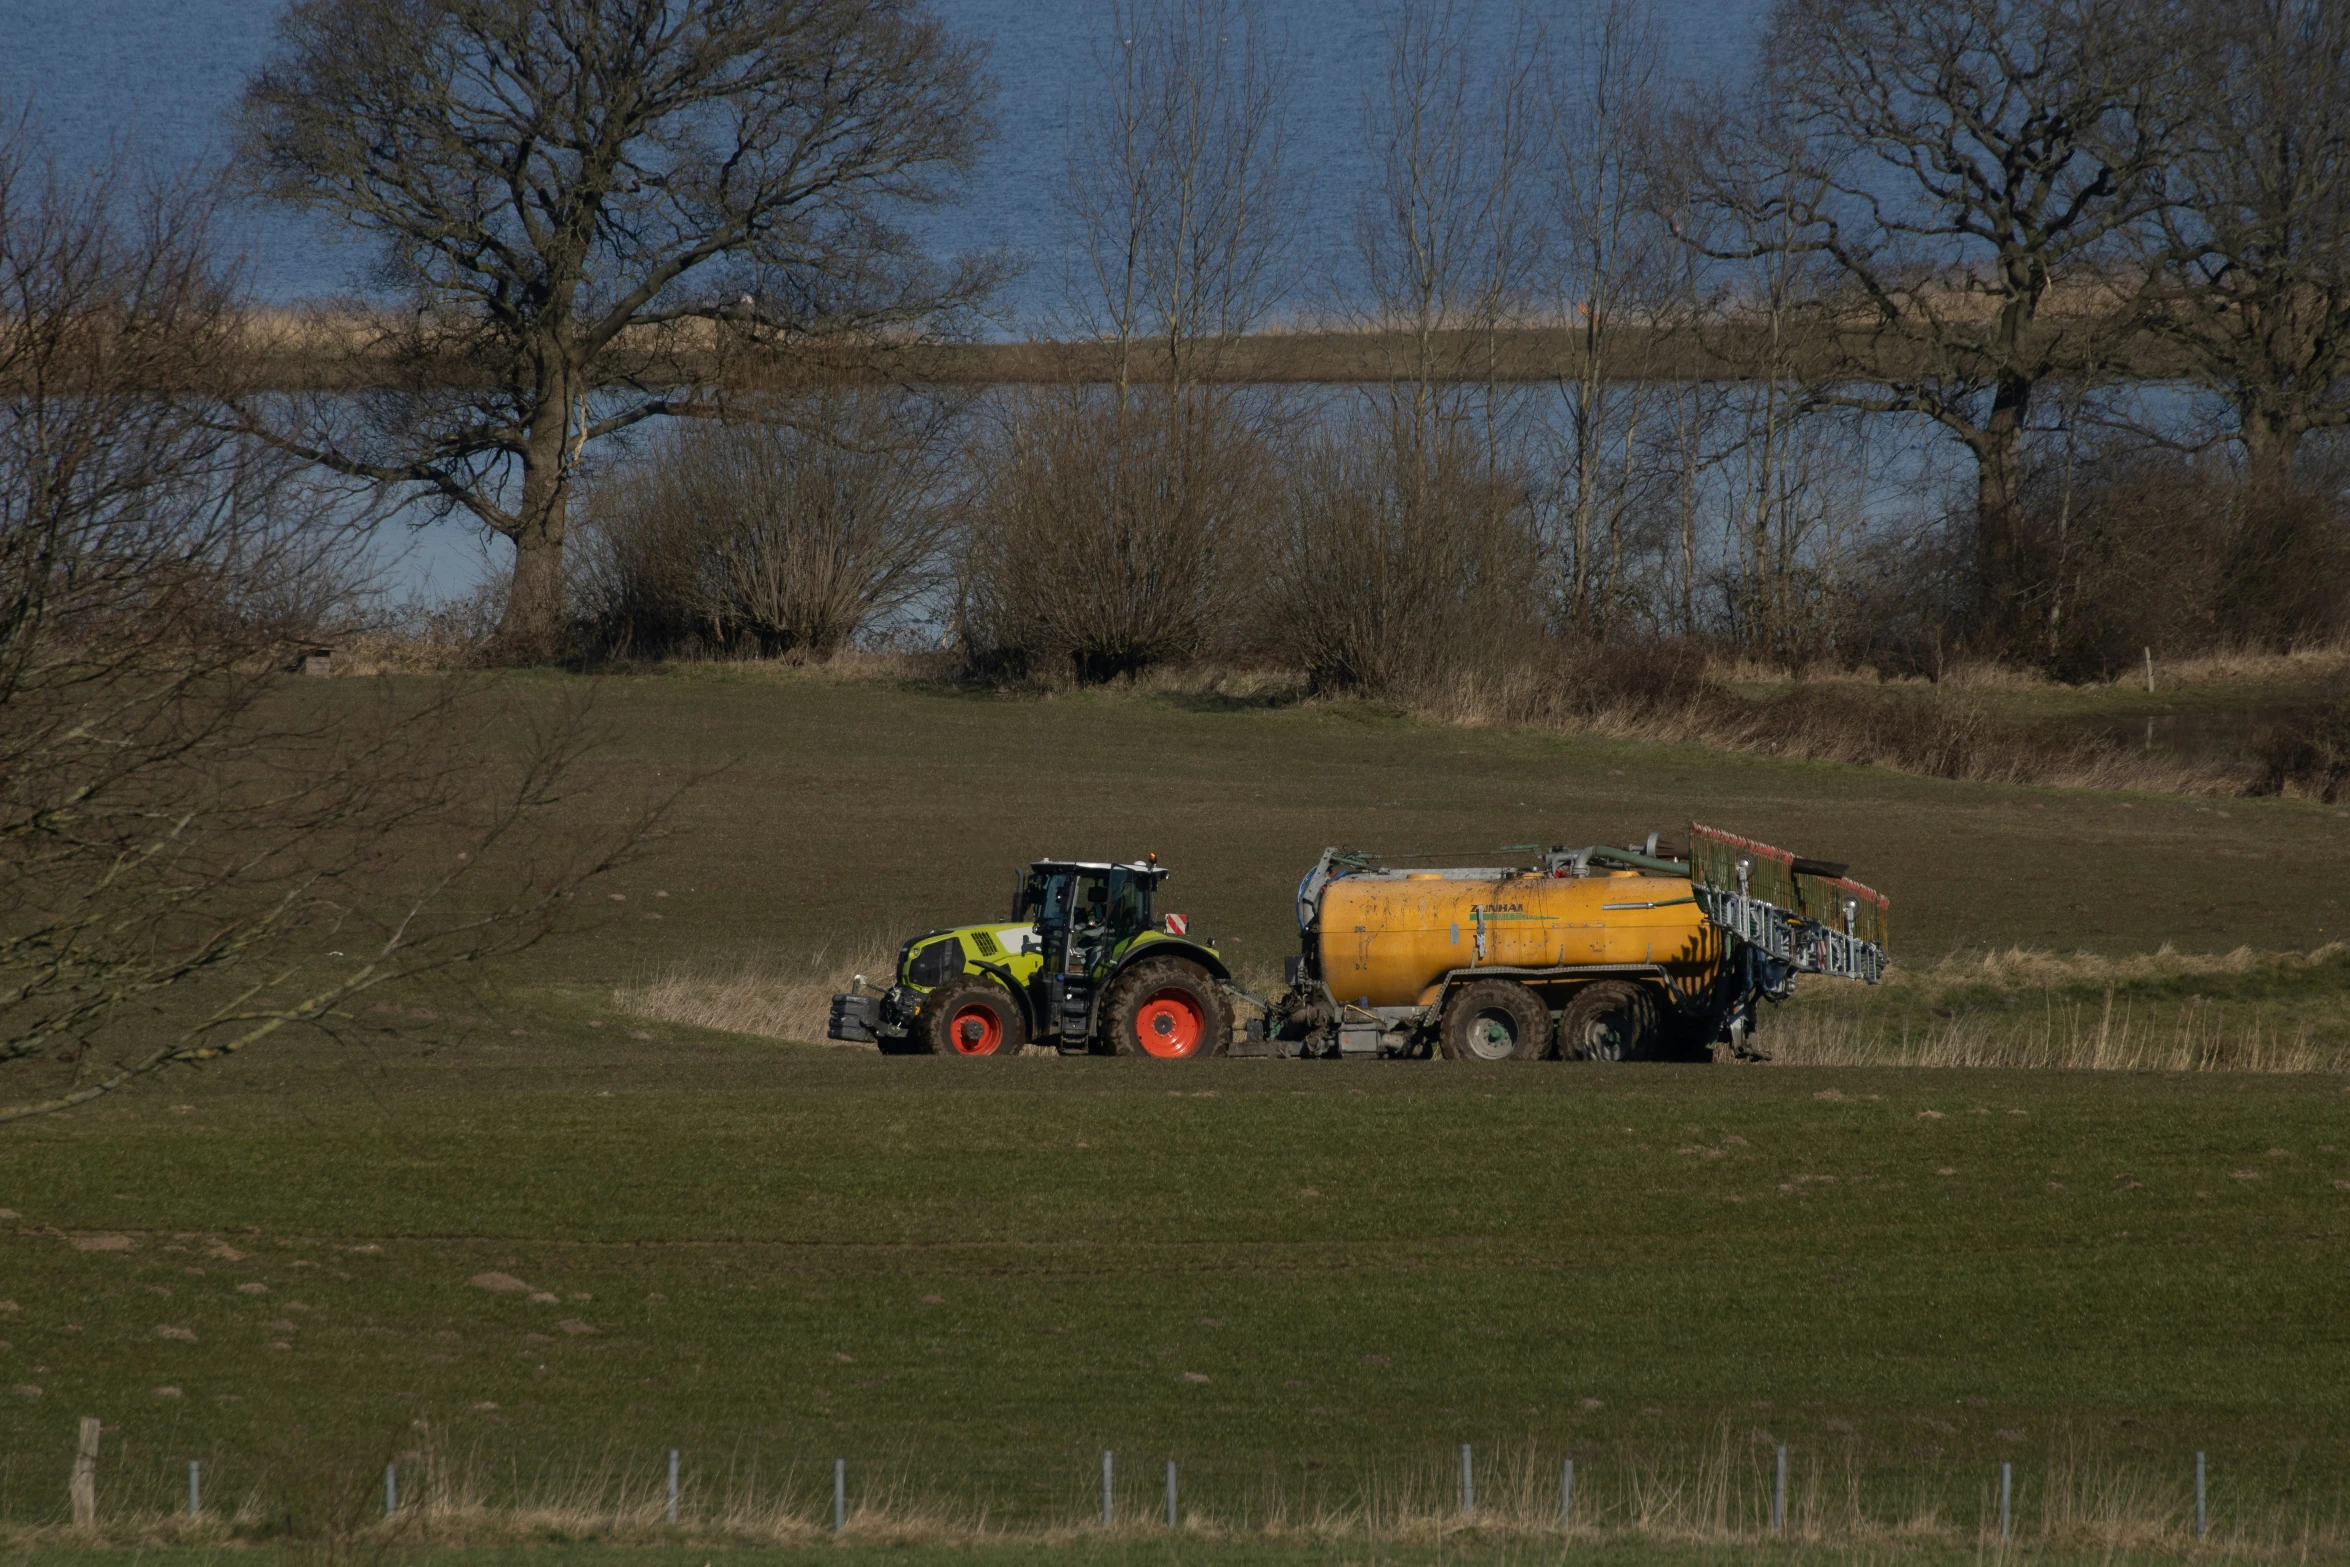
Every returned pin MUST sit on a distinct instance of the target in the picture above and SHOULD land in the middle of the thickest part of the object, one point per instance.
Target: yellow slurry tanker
(1597, 953)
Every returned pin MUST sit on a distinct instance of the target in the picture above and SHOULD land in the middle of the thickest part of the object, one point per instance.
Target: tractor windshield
(1130, 899)
(1059, 896)
(1111, 896)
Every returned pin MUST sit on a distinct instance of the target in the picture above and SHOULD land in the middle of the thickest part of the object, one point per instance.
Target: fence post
(84, 1487)
(1468, 1482)
(1108, 1510)
(840, 1494)
(195, 1489)
(1170, 1493)
(391, 1489)
(1567, 1494)
(1779, 1494)
(2006, 1499)
(2202, 1520)
(673, 1485)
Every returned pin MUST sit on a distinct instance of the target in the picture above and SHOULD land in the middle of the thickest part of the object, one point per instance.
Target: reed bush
(2162, 1011)
(760, 997)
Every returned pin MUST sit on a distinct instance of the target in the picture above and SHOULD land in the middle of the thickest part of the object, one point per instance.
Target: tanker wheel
(1609, 1021)
(1167, 1009)
(972, 1017)
(1495, 1020)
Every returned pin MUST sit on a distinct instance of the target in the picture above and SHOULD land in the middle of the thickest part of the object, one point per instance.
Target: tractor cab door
(1092, 913)
(1055, 899)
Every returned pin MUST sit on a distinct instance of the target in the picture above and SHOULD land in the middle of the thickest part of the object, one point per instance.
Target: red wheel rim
(1171, 1024)
(975, 1031)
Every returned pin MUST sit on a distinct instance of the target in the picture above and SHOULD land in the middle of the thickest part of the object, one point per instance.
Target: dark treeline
(1949, 226)
(1944, 236)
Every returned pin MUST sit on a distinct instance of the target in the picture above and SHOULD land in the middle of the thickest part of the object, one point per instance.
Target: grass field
(847, 811)
(971, 1277)
(1307, 1283)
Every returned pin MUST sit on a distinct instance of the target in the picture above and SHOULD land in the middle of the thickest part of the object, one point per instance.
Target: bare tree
(1969, 171)
(1406, 557)
(1174, 185)
(2259, 239)
(1101, 543)
(1448, 236)
(563, 187)
(1766, 301)
(1399, 569)
(192, 856)
(792, 527)
(1612, 275)
(1109, 531)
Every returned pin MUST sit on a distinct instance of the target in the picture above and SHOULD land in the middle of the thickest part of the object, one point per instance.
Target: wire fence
(1728, 1492)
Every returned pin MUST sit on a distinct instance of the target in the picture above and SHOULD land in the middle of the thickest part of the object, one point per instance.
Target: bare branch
(560, 183)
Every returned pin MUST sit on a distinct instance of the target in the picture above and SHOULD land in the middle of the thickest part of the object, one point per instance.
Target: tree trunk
(2271, 442)
(2003, 569)
(535, 628)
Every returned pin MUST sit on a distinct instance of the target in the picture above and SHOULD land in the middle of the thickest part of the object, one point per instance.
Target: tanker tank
(1600, 953)
(1393, 939)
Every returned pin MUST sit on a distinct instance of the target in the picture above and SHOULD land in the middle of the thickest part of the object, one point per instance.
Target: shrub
(1397, 569)
(1109, 535)
(793, 528)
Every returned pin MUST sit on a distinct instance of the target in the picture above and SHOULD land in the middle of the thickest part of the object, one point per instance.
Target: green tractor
(1083, 964)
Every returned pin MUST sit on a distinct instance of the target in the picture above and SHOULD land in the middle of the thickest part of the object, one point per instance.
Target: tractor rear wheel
(1609, 1021)
(971, 1017)
(1495, 1020)
(1168, 1009)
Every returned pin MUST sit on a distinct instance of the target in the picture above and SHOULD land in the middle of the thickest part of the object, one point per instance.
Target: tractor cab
(1061, 895)
(1083, 910)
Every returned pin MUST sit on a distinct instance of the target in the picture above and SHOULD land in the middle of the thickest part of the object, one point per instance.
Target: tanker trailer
(1598, 953)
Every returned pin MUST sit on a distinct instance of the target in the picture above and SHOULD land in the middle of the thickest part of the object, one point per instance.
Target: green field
(1307, 1283)
(971, 1277)
(852, 810)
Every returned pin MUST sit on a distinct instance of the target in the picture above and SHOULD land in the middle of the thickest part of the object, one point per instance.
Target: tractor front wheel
(1167, 1009)
(971, 1018)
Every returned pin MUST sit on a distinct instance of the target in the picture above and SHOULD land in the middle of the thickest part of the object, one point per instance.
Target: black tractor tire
(909, 1043)
(970, 1017)
(1494, 1020)
(1610, 1021)
(1168, 1010)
